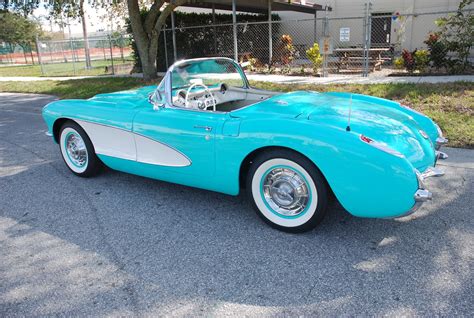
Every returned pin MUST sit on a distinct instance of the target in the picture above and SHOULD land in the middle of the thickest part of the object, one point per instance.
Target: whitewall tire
(77, 150)
(287, 190)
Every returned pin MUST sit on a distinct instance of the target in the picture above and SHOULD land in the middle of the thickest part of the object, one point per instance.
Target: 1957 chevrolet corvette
(205, 127)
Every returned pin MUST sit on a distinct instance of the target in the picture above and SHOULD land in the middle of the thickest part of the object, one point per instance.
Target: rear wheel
(288, 192)
(77, 150)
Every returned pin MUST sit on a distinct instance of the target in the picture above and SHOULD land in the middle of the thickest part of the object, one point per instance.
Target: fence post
(166, 48)
(270, 40)
(71, 44)
(39, 54)
(315, 26)
(234, 29)
(111, 54)
(121, 48)
(367, 29)
(214, 31)
(325, 35)
(175, 53)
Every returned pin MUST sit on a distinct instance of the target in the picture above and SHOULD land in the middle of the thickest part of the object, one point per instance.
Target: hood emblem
(282, 102)
(423, 133)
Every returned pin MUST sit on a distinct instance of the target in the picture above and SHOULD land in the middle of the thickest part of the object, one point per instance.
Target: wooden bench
(352, 59)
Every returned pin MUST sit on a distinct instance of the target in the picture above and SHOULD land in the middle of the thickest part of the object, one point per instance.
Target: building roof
(258, 6)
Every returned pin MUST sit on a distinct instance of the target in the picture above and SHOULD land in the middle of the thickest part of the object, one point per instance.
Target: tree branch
(152, 15)
(166, 12)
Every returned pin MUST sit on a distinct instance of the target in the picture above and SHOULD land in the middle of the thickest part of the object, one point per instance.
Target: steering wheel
(206, 103)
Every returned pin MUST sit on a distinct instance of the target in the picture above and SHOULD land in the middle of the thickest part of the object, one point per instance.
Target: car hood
(130, 98)
(381, 120)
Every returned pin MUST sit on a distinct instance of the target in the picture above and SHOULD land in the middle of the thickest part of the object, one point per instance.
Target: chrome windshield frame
(168, 102)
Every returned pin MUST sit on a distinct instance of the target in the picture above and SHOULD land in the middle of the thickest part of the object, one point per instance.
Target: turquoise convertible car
(205, 127)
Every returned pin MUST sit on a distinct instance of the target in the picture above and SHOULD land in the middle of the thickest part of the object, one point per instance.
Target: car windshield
(212, 73)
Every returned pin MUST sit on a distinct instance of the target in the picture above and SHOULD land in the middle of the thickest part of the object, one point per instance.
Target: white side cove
(119, 143)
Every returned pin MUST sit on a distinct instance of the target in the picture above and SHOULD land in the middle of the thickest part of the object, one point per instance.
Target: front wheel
(77, 150)
(287, 191)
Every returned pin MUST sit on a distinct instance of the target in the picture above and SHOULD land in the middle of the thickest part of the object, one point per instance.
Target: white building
(402, 23)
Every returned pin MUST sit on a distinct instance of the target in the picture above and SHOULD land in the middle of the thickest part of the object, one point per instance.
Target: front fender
(367, 181)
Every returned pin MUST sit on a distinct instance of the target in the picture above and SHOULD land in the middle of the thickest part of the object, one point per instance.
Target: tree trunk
(142, 41)
(84, 34)
(145, 33)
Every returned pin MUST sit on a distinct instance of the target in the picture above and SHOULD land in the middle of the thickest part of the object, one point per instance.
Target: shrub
(286, 51)
(422, 58)
(408, 60)
(438, 50)
(399, 63)
(457, 34)
(315, 57)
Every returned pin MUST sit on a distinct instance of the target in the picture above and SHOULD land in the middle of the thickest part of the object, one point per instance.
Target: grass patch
(78, 88)
(451, 105)
(61, 69)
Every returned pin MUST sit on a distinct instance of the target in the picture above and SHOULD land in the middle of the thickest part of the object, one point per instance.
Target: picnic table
(353, 58)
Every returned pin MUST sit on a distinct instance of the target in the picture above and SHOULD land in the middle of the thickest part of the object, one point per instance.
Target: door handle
(206, 128)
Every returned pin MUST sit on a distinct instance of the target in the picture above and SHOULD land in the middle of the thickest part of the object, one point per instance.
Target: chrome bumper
(440, 141)
(422, 194)
(47, 133)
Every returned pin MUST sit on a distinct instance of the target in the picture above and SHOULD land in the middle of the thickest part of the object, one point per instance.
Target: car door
(178, 140)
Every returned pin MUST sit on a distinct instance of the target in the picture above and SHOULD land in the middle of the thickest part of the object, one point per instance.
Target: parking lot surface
(122, 245)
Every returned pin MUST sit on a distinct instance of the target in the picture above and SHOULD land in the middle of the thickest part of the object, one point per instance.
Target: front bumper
(422, 194)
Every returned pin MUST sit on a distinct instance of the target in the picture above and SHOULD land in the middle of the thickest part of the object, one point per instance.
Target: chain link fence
(369, 43)
(366, 43)
(77, 57)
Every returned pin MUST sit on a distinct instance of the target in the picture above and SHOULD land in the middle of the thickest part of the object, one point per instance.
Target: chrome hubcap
(286, 191)
(76, 149)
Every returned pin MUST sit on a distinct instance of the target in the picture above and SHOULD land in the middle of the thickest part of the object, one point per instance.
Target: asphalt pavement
(122, 245)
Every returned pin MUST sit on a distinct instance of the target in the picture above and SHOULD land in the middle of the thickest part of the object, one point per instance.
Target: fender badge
(422, 132)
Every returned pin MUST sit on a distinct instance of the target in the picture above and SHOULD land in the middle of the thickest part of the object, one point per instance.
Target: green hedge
(209, 40)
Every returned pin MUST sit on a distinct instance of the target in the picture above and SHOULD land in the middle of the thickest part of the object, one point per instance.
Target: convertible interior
(214, 84)
(219, 97)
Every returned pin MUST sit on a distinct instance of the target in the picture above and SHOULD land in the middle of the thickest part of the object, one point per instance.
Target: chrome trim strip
(47, 133)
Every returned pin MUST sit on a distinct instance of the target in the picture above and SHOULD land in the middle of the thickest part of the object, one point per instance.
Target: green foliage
(408, 60)
(438, 50)
(399, 63)
(457, 34)
(422, 58)
(285, 50)
(22, 7)
(315, 57)
(201, 42)
(15, 29)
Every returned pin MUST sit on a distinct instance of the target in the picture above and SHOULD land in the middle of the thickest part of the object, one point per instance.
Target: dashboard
(205, 98)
